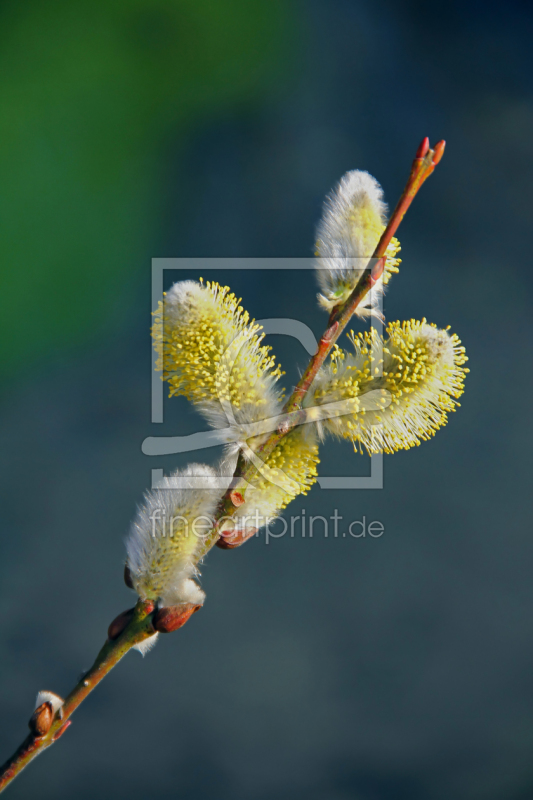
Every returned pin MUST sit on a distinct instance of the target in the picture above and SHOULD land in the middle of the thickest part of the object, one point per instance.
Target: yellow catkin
(293, 464)
(416, 375)
(209, 349)
(289, 471)
(392, 263)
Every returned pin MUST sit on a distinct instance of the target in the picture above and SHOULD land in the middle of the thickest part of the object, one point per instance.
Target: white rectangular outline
(372, 481)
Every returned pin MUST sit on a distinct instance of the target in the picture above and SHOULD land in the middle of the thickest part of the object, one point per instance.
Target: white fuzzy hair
(344, 244)
(49, 697)
(183, 297)
(163, 566)
(145, 646)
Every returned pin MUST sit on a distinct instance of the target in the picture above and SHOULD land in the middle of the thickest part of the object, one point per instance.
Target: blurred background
(326, 669)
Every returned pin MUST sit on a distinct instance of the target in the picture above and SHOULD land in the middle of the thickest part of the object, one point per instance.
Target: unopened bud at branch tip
(423, 148)
(438, 151)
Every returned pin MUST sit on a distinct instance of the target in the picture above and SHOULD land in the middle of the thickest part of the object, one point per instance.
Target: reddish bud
(377, 271)
(171, 618)
(62, 730)
(231, 540)
(236, 498)
(284, 426)
(127, 577)
(41, 719)
(119, 623)
(423, 148)
(331, 331)
(438, 151)
(332, 315)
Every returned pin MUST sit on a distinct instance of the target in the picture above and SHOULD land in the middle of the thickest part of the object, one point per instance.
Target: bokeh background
(363, 669)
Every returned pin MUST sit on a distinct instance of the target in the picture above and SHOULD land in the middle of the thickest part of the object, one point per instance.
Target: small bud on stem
(229, 541)
(119, 623)
(376, 272)
(62, 730)
(41, 719)
(330, 332)
(171, 618)
(284, 426)
(236, 498)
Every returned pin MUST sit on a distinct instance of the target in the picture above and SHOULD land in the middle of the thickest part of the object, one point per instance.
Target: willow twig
(137, 625)
(138, 629)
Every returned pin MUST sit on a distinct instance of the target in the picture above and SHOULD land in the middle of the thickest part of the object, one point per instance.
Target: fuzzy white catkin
(352, 221)
(166, 536)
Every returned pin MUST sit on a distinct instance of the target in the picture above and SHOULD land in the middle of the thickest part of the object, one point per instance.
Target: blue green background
(396, 668)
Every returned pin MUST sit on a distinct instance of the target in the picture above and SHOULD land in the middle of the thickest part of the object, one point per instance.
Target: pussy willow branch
(425, 161)
(140, 626)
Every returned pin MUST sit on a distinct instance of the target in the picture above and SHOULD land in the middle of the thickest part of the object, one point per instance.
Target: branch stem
(140, 627)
